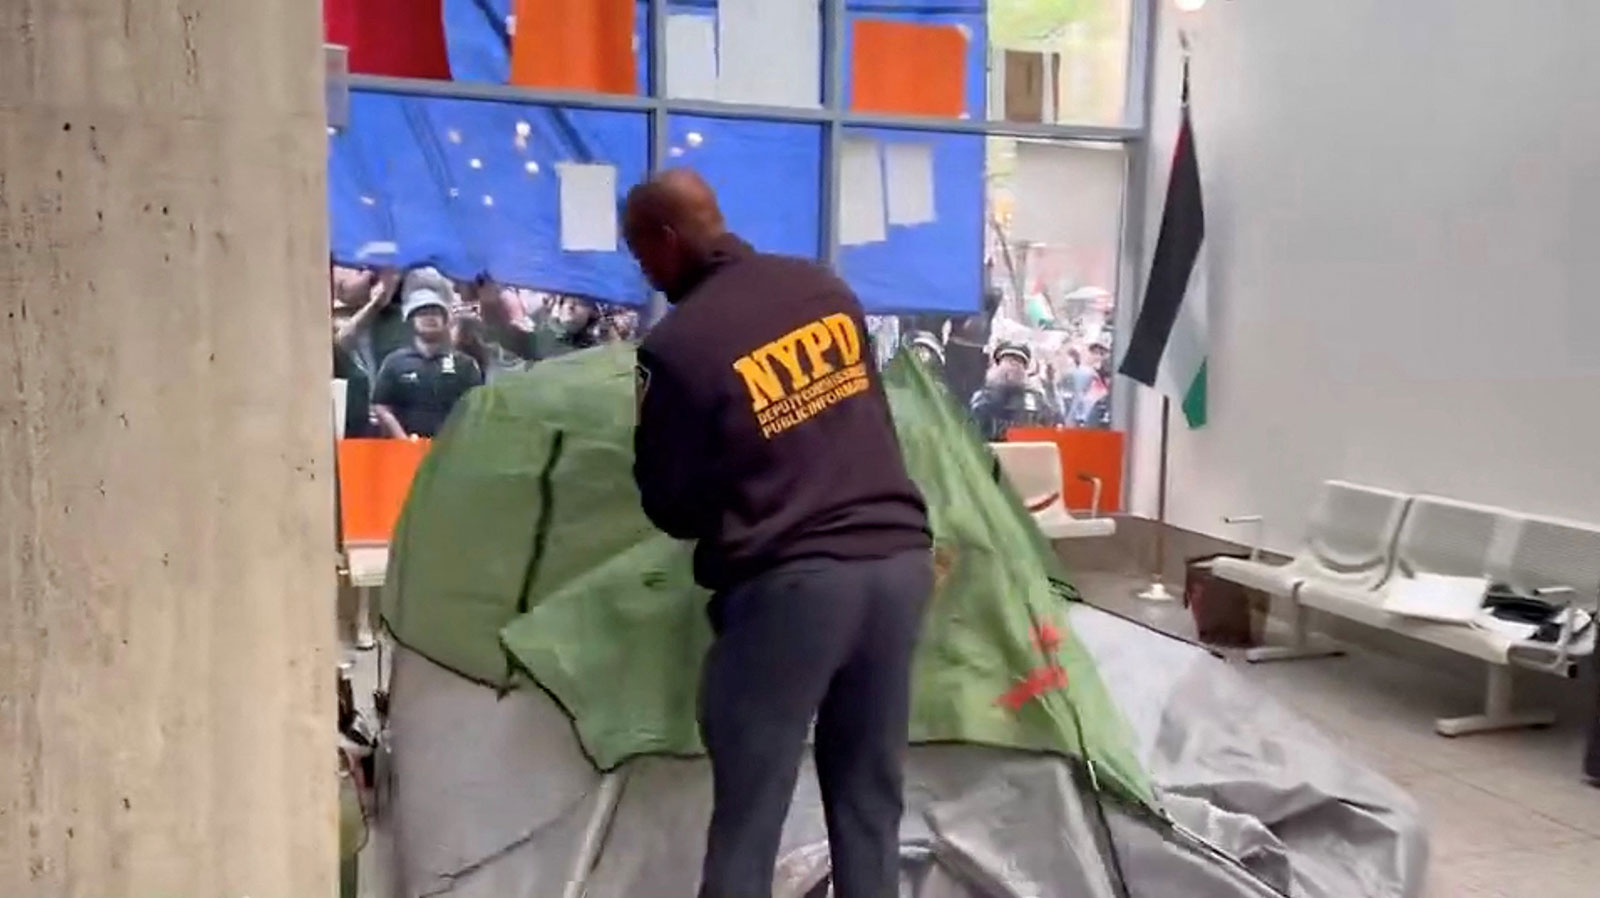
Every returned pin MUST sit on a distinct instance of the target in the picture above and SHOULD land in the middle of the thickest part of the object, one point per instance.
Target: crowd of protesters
(407, 345)
(1008, 374)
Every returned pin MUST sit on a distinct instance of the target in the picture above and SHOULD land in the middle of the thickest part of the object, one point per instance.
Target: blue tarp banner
(471, 186)
(934, 267)
(768, 177)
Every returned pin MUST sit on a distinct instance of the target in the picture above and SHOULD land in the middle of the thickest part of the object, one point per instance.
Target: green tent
(523, 559)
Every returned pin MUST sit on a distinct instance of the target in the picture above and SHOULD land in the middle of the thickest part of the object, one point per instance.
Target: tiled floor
(1510, 816)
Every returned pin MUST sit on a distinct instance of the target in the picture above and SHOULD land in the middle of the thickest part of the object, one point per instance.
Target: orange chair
(1087, 455)
(374, 477)
(1035, 472)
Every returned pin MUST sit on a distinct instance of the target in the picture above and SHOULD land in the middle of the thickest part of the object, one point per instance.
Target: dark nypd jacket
(763, 430)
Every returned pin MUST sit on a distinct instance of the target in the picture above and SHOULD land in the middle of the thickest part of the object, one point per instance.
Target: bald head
(679, 199)
(670, 223)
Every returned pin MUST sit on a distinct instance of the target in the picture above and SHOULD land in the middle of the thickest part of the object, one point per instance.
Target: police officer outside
(930, 352)
(418, 385)
(1007, 400)
(764, 434)
(1092, 405)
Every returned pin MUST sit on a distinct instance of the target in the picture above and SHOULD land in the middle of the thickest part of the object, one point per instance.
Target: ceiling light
(454, 135)
(524, 129)
(1189, 5)
(475, 163)
(531, 167)
(488, 200)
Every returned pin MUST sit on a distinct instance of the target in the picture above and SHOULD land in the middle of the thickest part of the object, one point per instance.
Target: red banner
(400, 38)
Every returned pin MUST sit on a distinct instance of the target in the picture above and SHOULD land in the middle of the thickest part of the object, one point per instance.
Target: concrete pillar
(166, 557)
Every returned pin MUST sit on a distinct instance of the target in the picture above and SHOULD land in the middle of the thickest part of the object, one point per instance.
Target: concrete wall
(166, 563)
(1403, 203)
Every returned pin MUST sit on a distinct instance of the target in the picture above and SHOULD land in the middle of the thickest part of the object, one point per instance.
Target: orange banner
(902, 68)
(374, 479)
(575, 45)
(1097, 453)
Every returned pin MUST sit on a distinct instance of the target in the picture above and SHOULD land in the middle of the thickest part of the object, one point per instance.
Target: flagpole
(1157, 590)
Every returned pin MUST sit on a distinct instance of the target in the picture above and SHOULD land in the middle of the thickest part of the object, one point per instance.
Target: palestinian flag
(1169, 345)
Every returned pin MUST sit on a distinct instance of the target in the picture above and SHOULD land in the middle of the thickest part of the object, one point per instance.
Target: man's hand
(505, 320)
(381, 290)
(500, 308)
(384, 288)
(492, 305)
(389, 424)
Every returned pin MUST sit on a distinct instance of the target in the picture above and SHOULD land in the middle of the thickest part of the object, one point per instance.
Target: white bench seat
(1367, 608)
(1273, 579)
(1348, 543)
(1431, 535)
(1549, 655)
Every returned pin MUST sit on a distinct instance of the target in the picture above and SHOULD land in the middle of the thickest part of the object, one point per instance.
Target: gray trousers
(813, 639)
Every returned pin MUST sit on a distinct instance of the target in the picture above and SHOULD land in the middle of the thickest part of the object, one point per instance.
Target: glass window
(524, 194)
(910, 220)
(1061, 61)
(1053, 257)
(768, 177)
(1028, 340)
(763, 52)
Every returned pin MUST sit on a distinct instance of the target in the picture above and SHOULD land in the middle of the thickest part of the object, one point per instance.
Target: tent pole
(1157, 590)
(594, 835)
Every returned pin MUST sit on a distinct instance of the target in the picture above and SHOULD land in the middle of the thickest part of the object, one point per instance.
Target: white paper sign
(1436, 597)
(588, 207)
(861, 200)
(769, 52)
(691, 57)
(908, 169)
(1068, 196)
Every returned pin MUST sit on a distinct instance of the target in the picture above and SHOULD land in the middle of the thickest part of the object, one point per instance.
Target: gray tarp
(493, 799)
